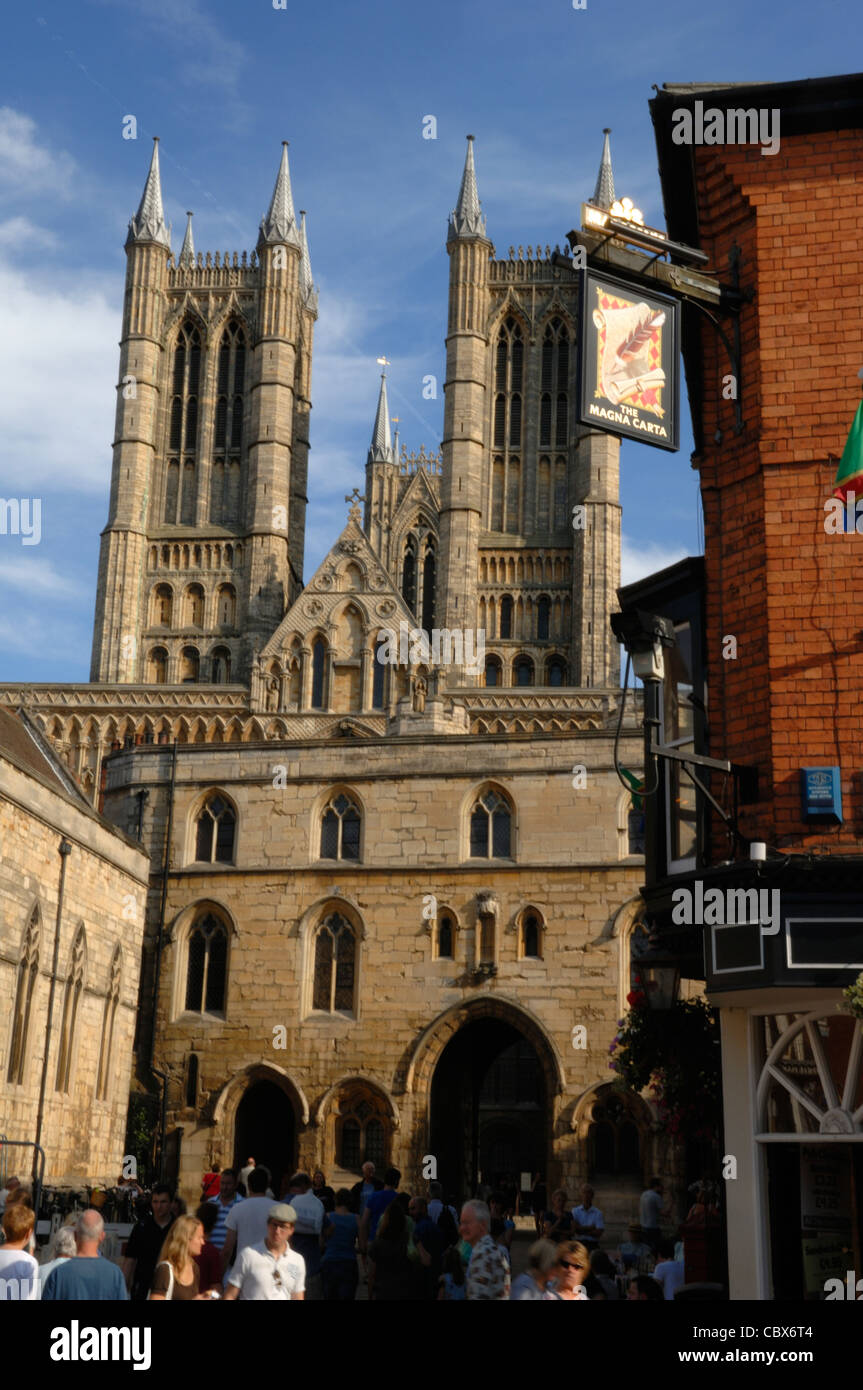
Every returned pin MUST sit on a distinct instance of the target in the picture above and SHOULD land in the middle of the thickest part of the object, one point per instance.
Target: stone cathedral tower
(515, 466)
(203, 550)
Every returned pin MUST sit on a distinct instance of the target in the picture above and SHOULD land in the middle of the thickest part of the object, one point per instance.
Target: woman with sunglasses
(569, 1273)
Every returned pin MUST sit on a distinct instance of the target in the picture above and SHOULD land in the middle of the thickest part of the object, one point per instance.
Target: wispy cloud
(28, 166)
(31, 574)
(638, 558)
(20, 234)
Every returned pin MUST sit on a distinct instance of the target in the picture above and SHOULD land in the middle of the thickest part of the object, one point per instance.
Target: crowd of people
(313, 1242)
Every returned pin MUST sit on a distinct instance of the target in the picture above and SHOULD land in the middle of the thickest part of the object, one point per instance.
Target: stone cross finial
(355, 498)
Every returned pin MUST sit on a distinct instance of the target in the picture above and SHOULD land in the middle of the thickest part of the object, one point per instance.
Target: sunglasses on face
(565, 1264)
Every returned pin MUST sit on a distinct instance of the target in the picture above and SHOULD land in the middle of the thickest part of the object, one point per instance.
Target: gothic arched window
(215, 828)
(445, 937)
(163, 605)
(207, 966)
(555, 672)
(340, 829)
(69, 1018)
(505, 617)
(491, 827)
(228, 432)
(180, 480)
(379, 674)
(109, 1020)
(530, 933)
(409, 574)
(28, 975)
(507, 427)
(543, 617)
(427, 618)
(319, 651)
(335, 966)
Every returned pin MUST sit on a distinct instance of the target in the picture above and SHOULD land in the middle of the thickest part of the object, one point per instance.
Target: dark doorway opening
(489, 1109)
(265, 1130)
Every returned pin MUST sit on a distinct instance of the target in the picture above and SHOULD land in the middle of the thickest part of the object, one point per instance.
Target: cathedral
(394, 882)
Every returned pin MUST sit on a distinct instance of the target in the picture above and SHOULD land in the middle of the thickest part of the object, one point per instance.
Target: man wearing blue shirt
(589, 1225)
(86, 1275)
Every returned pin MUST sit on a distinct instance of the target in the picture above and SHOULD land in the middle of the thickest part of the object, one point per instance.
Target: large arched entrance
(489, 1119)
(265, 1129)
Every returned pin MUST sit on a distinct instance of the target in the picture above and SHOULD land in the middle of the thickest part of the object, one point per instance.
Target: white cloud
(37, 576)
(639, 559)
(27, 167)
(20, 234)
(58, 364)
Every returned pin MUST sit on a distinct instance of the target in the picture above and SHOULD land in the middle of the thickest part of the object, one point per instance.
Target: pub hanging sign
(630, 373)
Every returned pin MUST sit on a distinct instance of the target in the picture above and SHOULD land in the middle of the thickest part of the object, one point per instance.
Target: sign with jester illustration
(629, 361)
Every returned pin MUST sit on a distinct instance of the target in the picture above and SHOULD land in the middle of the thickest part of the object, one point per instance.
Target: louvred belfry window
(553, 425)
(228, 432)
(181, 468)
(507, 428)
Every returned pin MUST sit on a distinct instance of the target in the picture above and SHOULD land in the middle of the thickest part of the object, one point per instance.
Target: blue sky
(222, 84)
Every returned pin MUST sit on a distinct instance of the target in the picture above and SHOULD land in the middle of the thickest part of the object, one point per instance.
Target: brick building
(769, 662)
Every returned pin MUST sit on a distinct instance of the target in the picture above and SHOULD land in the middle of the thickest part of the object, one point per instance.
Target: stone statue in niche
(272, 695)
(420, 688)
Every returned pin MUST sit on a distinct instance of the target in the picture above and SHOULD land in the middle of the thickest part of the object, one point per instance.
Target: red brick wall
(776, 581)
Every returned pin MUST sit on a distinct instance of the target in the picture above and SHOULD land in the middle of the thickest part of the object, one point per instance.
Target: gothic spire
(148, 224)
(187, 253)
(381, 449)
(307, 288)
(603, 194)
(280, 223)
(467, 220)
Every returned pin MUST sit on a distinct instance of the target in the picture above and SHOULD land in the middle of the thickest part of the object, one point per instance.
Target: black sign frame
(589, 374)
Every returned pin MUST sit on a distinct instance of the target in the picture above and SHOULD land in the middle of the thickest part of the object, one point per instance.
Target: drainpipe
(166, 858)
(64, 849)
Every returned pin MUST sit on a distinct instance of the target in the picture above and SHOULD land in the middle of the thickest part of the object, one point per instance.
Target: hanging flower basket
(676, 1054)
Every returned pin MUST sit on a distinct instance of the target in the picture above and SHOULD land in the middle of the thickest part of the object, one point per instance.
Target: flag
(637, 785)
(849, 475)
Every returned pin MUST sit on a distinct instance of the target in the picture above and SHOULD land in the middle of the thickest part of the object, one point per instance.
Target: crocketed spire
(149, 224)
(381, 450)
(280, 224)
(307, 289)
(467, 220)
(603, 194)
(187, 253)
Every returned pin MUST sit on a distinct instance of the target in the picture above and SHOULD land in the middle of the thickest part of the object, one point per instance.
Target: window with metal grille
(490, 828)
(340, 829)
(335, 952)
(351, 1135)
(207, 964)
(214, 841)
(375, 1140)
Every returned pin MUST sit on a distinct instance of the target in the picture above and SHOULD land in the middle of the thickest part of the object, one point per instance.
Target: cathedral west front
(393, 898)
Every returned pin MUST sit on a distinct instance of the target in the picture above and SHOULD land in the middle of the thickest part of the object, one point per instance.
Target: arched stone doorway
(265, 1128)
(489, 1108)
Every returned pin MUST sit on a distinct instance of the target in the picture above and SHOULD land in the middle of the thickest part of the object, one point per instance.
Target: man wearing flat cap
(270, 1271)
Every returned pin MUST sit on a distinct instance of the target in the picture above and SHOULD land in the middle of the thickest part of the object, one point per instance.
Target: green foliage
(676, 1053)
(853, 997)
(142, 1124)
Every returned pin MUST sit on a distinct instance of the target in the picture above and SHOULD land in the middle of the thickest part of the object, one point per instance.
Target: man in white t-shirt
(246, 1223)
(270, 1272)
(307, 1237)
(668, 1272)
(589, 1225)
(651, 1212)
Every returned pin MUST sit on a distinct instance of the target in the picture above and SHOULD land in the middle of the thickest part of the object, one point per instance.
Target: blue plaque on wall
(821, 790)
